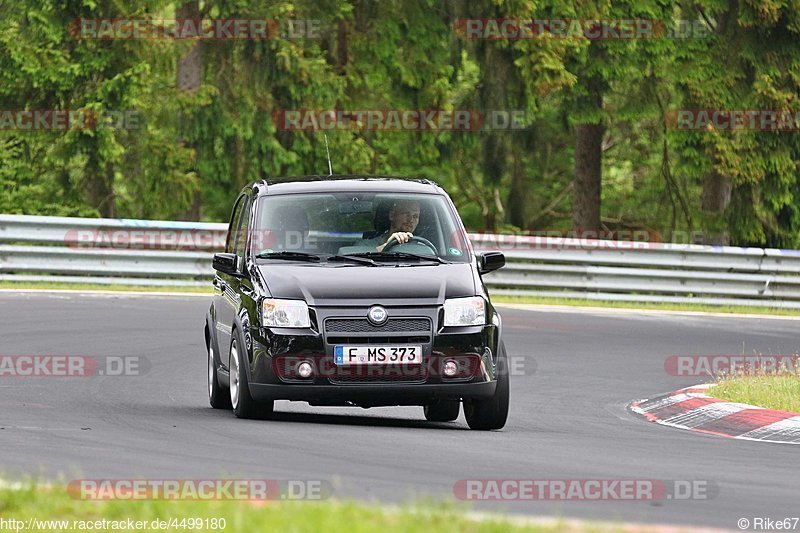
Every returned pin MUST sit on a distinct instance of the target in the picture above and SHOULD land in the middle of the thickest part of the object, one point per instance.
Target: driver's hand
(401, 237)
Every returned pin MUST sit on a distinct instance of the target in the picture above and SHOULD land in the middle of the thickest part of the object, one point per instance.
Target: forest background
(579, 133)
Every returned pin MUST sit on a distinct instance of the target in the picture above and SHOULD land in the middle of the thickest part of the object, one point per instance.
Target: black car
(351, 290)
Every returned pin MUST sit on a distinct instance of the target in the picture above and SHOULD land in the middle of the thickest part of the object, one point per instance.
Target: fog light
(450, 368)
(304, 369)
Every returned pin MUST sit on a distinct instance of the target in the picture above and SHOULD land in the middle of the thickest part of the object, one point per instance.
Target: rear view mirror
(490, 261)
(225, 263)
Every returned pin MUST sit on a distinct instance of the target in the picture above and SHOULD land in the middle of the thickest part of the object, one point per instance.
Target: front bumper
(269, 350)
(372, 395)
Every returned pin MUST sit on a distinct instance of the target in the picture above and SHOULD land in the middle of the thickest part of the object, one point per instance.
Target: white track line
(522, 307)
(634, 311)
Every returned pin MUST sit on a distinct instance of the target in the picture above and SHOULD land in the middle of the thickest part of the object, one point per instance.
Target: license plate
(377, 355)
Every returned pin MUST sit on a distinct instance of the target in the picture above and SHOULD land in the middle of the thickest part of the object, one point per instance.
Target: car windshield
(331, 225)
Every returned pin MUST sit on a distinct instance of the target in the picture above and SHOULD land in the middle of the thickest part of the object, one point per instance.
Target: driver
(403, 220)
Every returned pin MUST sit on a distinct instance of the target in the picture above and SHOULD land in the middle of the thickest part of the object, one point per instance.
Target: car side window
(240, 246)
(233, 226)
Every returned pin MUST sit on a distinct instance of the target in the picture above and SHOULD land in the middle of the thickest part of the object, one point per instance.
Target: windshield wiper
(353, 258)
(401, 255)
(289, 256)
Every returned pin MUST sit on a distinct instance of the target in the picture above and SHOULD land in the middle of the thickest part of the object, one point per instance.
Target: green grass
(772, 391)
(739, 309)
(331, 516)
(536, 300)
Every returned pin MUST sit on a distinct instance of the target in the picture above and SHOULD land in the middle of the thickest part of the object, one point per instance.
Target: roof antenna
(330, 168)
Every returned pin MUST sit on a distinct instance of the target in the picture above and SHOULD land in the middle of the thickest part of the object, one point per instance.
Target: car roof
(334, 183)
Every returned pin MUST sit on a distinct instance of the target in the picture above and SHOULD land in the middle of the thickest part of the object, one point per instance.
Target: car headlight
(465, 311)
(284, 314)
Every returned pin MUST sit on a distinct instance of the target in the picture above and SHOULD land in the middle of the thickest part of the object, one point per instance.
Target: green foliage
(750, 62)
(85, 170)
(191, 151)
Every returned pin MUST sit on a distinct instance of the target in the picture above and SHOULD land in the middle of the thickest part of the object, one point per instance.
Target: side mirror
(490, 261)
(225, 263)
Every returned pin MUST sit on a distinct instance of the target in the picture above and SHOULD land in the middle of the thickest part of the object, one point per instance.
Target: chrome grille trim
(362, 325)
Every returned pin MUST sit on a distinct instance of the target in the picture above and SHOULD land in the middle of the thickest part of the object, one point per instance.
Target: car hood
(327, 285)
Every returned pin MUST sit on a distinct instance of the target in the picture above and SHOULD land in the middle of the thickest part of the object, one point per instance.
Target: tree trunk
(589, 149)
(494, 163)
(715, 200)
(100, 190)
(343, 54)
(717, 189)
(190, 66)
(499, 92)
(189, 72)
(588, 176)
(517, 201)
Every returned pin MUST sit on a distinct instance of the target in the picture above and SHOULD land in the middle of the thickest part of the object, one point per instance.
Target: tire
(244, 406)
(218, 397)
(442, 411)
(491, 413)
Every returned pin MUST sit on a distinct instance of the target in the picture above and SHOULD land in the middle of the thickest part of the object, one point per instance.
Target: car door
(226, 285)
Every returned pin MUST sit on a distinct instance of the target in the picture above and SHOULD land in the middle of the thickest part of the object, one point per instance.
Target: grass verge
(46, 285)
(331, 516)
(773, 391)
(536, 300)
(705, 308)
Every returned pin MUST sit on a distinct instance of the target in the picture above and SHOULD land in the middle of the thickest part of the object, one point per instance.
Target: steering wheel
(420, 240)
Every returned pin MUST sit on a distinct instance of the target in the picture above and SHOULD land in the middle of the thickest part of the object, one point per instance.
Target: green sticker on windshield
(454, 251)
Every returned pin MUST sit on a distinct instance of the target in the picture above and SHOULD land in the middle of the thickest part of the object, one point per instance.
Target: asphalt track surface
(568, 418)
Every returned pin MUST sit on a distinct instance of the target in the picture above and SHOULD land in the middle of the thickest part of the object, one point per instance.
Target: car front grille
(362, 325)
(394, 339)
(361, 331)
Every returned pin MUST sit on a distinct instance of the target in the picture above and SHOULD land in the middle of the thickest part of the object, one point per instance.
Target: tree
(46, 64)
(749, 177)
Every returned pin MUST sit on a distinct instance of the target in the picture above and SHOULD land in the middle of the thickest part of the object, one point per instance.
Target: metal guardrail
(108, 251)
(140, 252)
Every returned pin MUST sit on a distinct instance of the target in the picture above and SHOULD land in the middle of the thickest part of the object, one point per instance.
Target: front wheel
(491, 413)
(244, 406)
(218, 397)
